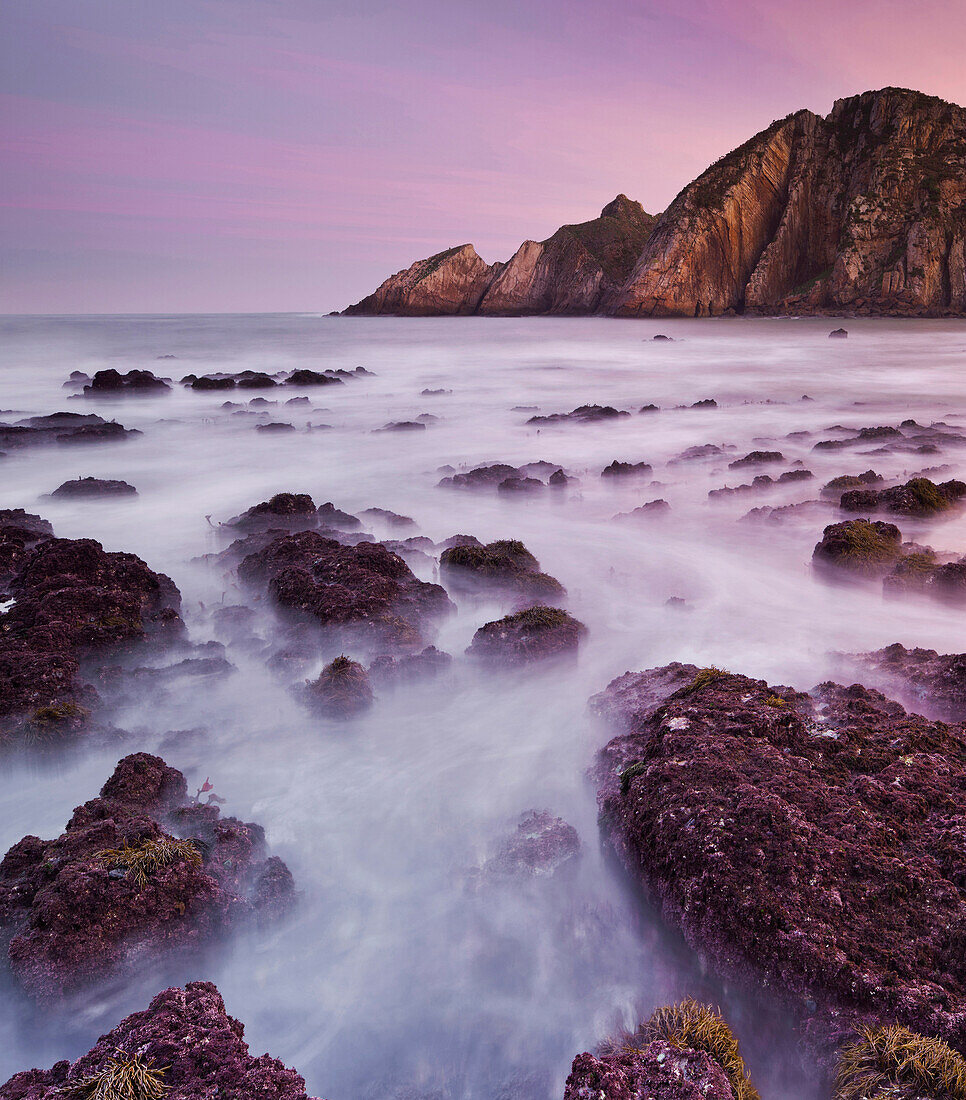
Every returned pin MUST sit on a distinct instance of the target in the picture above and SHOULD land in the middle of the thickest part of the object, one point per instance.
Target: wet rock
(391, 519)
(838, 334)
(434, 393)
(795, 475)
(649, 408)
(254, 380)
(388, 669)
(70, 600)
(918, 497)
(275, 427)
(919, 678)
(839, 485)
(111, 383)
(312, 378)
(583, 414)
(84, 487)
(559, 480)
(521, 485)
(63, 427)
(483, 477)
(402, 426)
(859, 546)
(342, 689)
(289, 511)
(706, 403)
(364, 588)
(913, 572)
(541, 845)
(705, 450)
(658, 1071)
(533, 634)
(627, 469)
(335, 517)
(213, 382)
(811, 843)
(505, 566)
(188, 1044)
(651, 510)
(118, 883)
(756, 458)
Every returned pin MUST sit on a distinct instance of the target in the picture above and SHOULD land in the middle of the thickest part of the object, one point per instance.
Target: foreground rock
(683, 1052)
(364, 589)
(119, 884)
(810, 843)
(68, 600)
(505, 566)
(534, 634)
(184, 1046)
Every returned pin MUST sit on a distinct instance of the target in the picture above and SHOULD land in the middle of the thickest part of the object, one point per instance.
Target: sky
(164, 156)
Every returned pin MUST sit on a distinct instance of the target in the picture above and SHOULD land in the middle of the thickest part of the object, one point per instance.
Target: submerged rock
(119, 883)
(920, 678)
(94, 487)
(839, 485)
(810, 843)
(540, 845)
(184, 1046)
(533, 634)
(342, 689)
(505, 566)
(627, 469)
(365, 587)
(583, 414)
(756, 458)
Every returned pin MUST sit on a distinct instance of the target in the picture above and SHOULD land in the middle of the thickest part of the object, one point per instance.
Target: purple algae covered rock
(659, 1071)
(139, 870)
(185, 1044)
(813, 843)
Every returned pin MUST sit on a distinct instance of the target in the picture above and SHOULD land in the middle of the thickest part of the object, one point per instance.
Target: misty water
(402, 974)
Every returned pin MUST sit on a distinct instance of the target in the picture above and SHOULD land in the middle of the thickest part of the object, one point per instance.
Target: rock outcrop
(450, 282)
(861, 212)
(577, 270)
(118, 885)
(811, 843)
(184, 1046)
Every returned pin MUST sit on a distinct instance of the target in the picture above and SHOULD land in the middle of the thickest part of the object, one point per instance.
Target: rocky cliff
(580, 269)
(862, 212)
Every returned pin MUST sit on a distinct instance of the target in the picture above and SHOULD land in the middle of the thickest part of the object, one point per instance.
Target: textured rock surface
(453, 281)
(658, 1071)
(920, 678)
(70, 599)
(811, 843)
(577, 270)
(505, 566)
(363, 587)
(534, 634)
(860, 211)
(186, 1033)
(77, 907)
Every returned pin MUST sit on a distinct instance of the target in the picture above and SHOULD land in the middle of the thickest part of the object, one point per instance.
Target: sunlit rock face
(858, 211)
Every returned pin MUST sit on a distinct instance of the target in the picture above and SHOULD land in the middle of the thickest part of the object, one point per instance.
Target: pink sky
(210, 155)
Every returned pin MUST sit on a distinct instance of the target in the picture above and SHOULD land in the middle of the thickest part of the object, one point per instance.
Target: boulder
(184, 1046)
(810, 843)
(533, 634)
(86, 487)
(859, 546)
(342, 689)
(505, 566)
(140, 870)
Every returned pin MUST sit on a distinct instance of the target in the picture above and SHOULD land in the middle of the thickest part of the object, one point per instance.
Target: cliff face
(577, 270)
(863, 211)
(450, 282)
